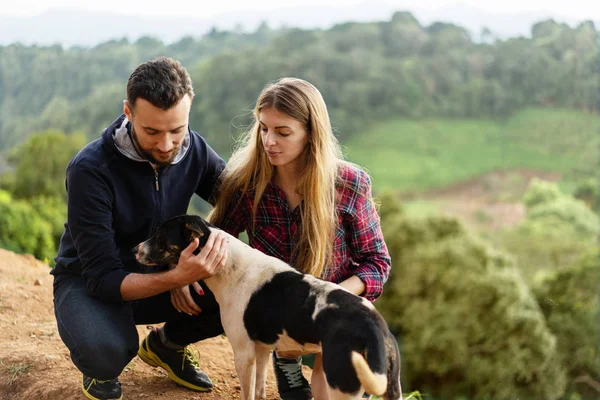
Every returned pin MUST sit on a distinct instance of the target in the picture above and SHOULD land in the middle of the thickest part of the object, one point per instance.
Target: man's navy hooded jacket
(116, 200)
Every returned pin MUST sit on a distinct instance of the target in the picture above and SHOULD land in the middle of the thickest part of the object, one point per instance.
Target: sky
(579, 9)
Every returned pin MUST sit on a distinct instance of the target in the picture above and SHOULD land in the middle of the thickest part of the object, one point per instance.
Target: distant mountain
(79, 27)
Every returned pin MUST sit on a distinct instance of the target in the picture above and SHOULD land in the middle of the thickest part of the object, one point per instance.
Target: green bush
(554, 233)
(22, 230)
(40, 164)
(539, 247)
(566, 213)
(4, 196)
(388, 204)
(569, 300)
(540, 191)
(52, 210)
(588, 191)
(467, 324)
(549, 208)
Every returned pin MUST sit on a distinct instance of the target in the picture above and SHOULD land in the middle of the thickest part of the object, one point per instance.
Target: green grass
(14, 370)
(421, 208)
(416, 155)
(410, 396)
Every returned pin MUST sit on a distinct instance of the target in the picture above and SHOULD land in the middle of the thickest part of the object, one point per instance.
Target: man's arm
(213, 166)
(138, 286)
(90, 223)
(190, 268)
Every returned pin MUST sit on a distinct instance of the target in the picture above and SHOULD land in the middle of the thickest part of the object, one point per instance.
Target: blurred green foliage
(569, 299)
(32, 205)
(367, 73)
(418, 154)
(541, 192)
(556, 230)
(467, 323)
(23, 230)
(40, 163)
(588, 191)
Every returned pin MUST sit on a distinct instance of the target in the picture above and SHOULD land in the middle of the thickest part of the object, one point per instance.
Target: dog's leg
(243, 348)
(245, 365)
(262, 360)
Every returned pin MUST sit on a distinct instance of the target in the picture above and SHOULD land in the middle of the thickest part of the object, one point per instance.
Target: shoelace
(98, 381)
(292, 373)
(190, 356)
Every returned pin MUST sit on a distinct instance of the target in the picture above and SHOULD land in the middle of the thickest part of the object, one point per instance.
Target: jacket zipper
(156, 216)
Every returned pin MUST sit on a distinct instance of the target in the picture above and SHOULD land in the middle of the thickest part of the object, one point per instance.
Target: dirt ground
(488, 202)
(35, 364)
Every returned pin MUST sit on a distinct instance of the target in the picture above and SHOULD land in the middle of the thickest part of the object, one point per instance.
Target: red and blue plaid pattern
(358, 249)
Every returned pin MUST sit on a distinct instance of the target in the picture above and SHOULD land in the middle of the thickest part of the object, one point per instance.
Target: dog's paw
(261, 394)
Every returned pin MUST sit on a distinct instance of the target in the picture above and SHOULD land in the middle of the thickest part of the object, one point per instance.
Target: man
(142, 171)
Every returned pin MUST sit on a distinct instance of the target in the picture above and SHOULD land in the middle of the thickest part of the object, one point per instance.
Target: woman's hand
(182, 299)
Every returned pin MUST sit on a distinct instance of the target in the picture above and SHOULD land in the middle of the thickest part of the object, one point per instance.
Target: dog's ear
(196, 228)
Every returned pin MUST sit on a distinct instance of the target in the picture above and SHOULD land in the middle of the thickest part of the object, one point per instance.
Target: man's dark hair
(162, 81)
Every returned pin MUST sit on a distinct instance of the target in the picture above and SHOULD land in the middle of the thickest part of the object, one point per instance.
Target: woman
(289, 188)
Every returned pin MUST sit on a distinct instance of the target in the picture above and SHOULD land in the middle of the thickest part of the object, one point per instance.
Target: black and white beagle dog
(266, 304)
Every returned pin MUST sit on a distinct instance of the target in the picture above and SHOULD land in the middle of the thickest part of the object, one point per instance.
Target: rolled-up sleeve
(365, 239)
(89, 217)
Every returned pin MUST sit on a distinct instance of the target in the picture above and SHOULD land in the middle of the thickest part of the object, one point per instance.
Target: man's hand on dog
(192, 268)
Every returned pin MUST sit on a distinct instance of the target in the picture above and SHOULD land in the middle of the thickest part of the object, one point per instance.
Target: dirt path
(488, 202)
(35, 364)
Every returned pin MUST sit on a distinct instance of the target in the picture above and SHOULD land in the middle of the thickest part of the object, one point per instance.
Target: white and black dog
(266, 304)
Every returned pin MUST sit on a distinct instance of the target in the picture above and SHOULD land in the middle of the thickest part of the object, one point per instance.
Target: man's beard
(148, 154)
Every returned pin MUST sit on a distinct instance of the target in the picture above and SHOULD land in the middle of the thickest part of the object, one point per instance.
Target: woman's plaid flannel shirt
(358, 249)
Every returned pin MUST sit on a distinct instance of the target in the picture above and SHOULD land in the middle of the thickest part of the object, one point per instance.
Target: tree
(100, 108)
(589, 192)
(398, 67)
(467, 324)
(22, 230)
(569, 300)
(40, 164)
(556, 230)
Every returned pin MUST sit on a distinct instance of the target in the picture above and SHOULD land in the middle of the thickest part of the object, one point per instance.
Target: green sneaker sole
(150, 358)
(89, 396)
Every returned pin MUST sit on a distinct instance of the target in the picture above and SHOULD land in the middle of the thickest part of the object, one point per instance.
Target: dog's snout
(135, 249)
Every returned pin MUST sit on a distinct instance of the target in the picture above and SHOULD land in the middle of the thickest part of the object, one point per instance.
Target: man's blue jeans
(102, 337)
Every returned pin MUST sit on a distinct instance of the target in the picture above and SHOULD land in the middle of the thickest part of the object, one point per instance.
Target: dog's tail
(379, 371)
(373, 382)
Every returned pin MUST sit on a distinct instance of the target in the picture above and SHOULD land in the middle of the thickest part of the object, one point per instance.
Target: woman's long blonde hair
(249, 169)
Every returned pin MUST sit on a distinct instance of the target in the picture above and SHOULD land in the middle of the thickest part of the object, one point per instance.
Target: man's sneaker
(101, 390)
(291, 384)
(181, 365)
